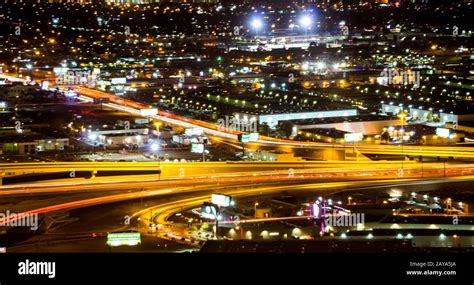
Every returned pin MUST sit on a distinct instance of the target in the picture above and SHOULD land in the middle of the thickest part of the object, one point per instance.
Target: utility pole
(204, 142)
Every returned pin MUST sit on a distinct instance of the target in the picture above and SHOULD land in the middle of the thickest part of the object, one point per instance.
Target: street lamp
(448, 203)
(257, 24)
(255, 208)
(305, 22)
(241, 231)
(155, 147)
(29, 67)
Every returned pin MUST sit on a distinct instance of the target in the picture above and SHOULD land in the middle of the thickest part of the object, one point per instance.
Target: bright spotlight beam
(257, 24)
(305, 21)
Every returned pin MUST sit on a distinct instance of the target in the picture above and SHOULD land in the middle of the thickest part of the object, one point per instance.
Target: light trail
(212, 129)
(322, 174)
(168, 209)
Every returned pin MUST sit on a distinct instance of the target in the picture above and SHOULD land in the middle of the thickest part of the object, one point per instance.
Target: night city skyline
(186, 128)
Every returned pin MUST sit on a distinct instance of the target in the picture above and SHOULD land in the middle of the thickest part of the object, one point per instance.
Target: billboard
(148, 112)
(353, 137)
(221, 200)
(45, 85)
(194, 131)
(142, 121)
(252, 137)
(209, 211)
(118, 239)
(71, 94)
(197, 148)
(442, 132)
(119, 80)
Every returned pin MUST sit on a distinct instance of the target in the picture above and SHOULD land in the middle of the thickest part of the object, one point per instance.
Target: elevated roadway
(132, 107)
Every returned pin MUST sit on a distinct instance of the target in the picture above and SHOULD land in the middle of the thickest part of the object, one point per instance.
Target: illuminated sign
(45, 85)
(75, 76)
(209, 211)
(118, 239)
(221, 200)
(194, 131)
(148, 112)
(71, 93)
(253, 137)
(442, 132)
(197, 148)
(118, 80)
(314, 210)
(353, 137)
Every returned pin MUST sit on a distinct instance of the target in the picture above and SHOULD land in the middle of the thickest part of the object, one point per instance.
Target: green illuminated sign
(117, 239)
(197, 148)
(253, 137)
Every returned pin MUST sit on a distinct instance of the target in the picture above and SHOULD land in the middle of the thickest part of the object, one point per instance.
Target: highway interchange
(186, 185)
(142, 197)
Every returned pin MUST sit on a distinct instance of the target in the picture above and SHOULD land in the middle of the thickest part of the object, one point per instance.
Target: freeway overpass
(170, 169)
(31, 174)
(132, 107)
(178, 197)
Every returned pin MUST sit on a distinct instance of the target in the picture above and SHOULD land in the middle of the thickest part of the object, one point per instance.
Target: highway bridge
(132, 107)
(194, 168)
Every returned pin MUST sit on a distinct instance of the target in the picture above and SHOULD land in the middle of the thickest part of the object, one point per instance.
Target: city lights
(306, 21)
(317, 128)
(257, 25)
(155, 147)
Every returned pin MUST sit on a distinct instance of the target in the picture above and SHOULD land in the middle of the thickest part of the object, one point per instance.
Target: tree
(429, 118)
(286, 128)
(264, 129)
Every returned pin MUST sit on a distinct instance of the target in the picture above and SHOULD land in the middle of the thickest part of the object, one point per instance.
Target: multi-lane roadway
(132, 107)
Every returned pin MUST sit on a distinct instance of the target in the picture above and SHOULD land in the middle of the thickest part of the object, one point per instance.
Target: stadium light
(257, 24)
(305, 21)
